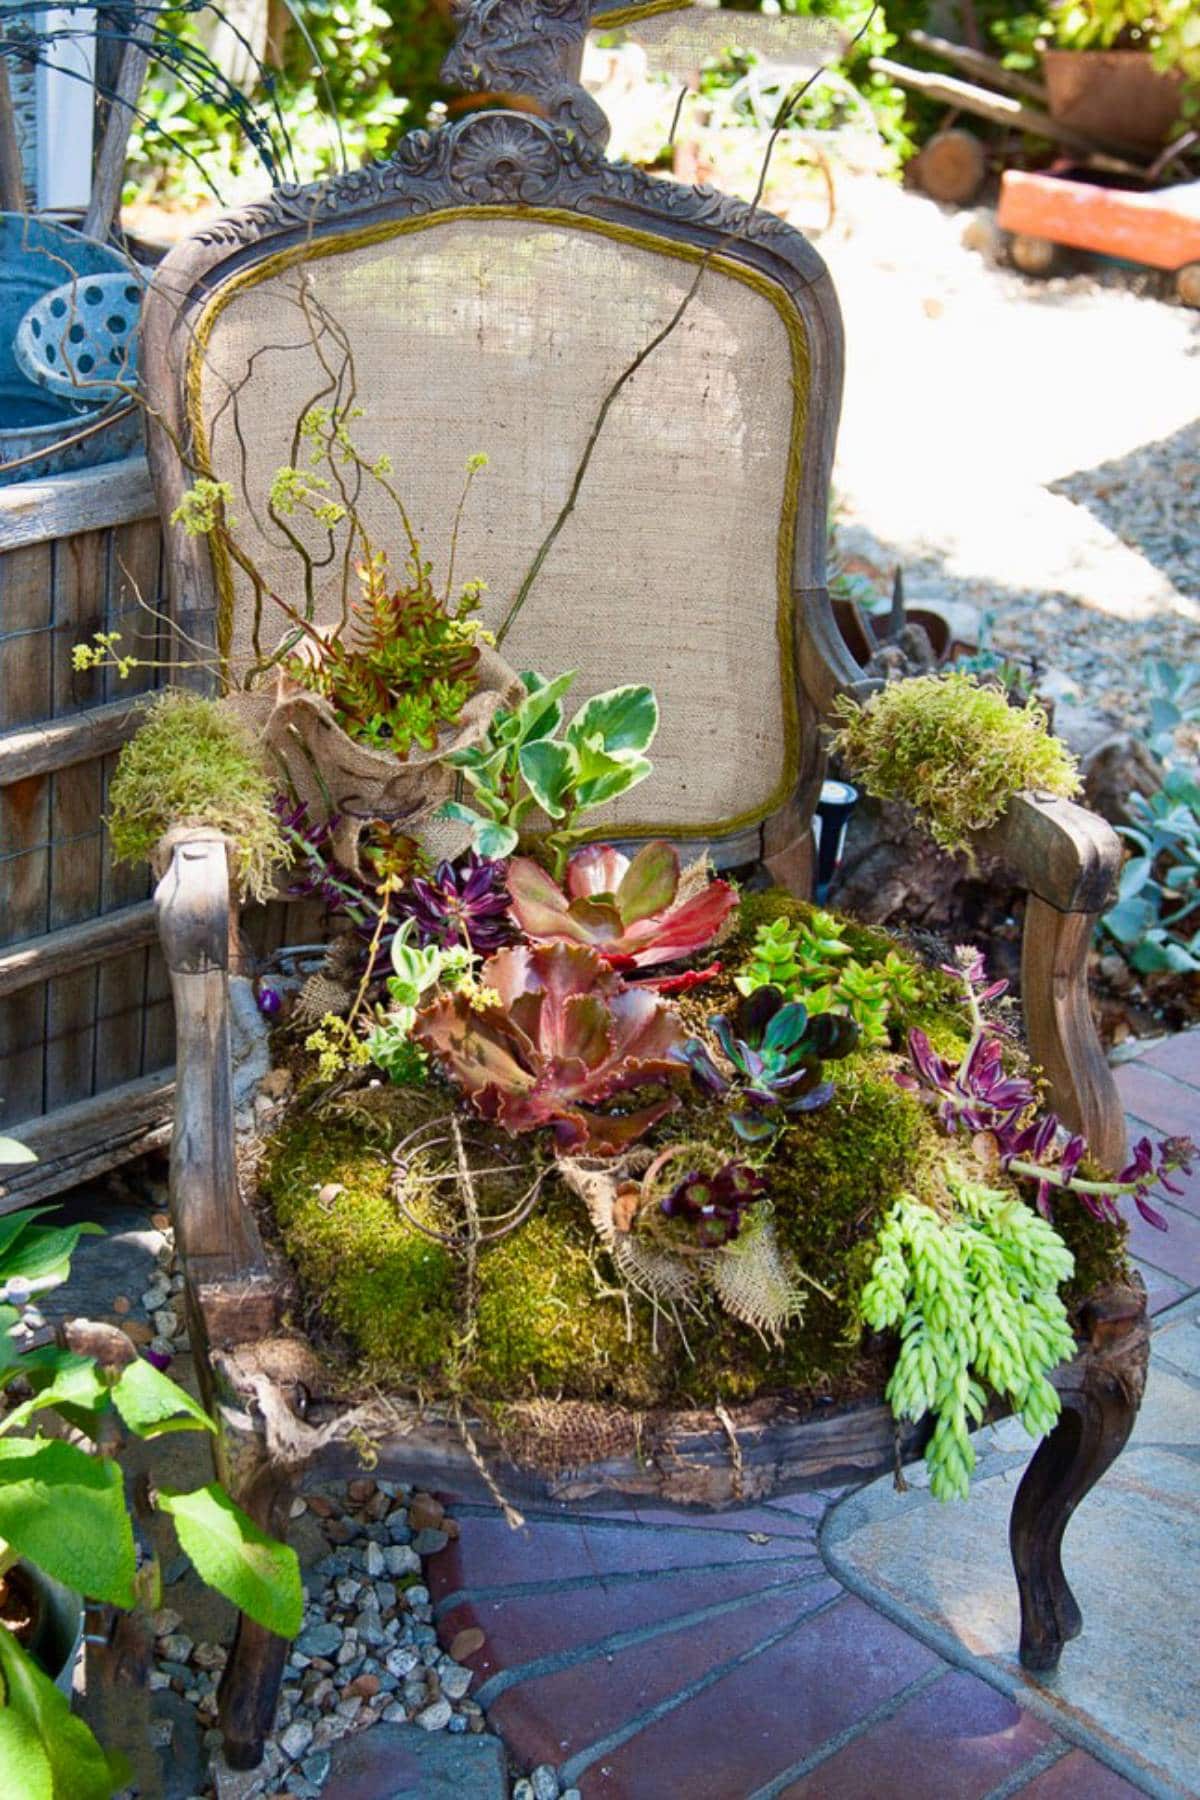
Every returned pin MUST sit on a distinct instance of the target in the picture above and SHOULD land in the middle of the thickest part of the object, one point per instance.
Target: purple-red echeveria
(467, 906)
(714, 1204)
(625, 910)
(566, 1036)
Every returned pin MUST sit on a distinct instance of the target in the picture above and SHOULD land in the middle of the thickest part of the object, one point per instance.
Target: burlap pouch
(307, 749)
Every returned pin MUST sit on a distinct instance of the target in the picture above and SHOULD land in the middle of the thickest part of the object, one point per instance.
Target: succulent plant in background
(777, 1052)
(634, 913)
(467, 906)
(563, 1036)
(714, 1205)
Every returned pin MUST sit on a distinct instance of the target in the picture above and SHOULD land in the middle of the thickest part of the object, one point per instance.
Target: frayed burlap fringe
(332, 774)
(750, 1276)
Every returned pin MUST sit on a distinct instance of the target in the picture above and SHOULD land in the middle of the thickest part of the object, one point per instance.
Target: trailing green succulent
(953, 749)
(808, 960)
(192, 763)
(405, 665)
(522, 764)
(975, 1300)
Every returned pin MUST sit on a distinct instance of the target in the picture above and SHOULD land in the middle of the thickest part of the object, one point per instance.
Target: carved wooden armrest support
(218, 1240)
(1069, 860)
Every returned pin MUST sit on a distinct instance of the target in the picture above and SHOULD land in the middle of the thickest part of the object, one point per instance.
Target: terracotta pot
(1116, 95)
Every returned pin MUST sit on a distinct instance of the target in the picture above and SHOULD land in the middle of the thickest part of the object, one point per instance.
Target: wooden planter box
(86, 1027)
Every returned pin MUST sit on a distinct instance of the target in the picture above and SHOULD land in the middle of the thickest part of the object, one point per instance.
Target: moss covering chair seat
(655, 372)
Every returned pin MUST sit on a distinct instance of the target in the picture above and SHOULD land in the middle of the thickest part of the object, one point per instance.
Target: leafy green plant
(1168, 29)
(64, 1510)
(953, 749)
(975, 1299)
(405, 665)
(809, 961)
(1156, 920)
(192, 763)
(1174, 702)
(522, 764)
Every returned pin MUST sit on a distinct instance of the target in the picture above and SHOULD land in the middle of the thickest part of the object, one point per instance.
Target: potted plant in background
(1125, 71)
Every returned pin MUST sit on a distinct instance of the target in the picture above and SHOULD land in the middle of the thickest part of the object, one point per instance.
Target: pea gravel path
(1027, 447)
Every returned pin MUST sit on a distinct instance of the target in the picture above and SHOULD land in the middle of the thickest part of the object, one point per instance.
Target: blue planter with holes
(47, 428)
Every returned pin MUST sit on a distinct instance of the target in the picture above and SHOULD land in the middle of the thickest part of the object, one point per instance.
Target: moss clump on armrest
(955, 751)
(191, 763)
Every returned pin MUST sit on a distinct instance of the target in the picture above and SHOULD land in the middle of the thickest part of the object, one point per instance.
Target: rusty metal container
(1117, 96)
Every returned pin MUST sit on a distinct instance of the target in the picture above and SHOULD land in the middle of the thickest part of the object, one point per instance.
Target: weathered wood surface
(74, 1143)
(1101, 1392)
(214, 1230)
(1061, 1031)
(1002, 109)
(37, 512)
(109, 172)
(985, 68)
(59, 743)
(76, 947)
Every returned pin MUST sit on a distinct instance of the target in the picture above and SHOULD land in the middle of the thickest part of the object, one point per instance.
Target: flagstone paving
(645, 1655)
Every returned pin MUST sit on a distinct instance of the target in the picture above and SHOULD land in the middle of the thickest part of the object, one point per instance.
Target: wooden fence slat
(37, 512)
(77, 1142)
(92, 941)
(57, 743)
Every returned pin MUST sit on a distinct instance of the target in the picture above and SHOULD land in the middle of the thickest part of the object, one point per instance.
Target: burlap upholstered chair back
(493, 284)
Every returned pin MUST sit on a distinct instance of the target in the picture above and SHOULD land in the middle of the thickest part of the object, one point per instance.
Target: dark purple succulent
(978, 1094)
(777, 1052)
(715, 1204)
(467, 906)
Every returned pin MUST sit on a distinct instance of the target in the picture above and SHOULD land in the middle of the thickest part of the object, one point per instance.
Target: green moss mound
(549, 1318)
(952, 748)
(192, 763)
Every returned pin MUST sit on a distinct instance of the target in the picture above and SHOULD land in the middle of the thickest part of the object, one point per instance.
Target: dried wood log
(986, 68)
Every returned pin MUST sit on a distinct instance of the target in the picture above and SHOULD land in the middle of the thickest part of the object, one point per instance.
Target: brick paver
(648, 1655)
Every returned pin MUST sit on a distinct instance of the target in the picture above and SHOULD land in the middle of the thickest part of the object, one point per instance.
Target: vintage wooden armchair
(495, 278)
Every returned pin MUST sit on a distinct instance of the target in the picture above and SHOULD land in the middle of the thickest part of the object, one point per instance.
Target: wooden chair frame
(272, 1430)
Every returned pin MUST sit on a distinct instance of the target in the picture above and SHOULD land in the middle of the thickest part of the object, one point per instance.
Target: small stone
(374, 1562)
(348, 1651)
(457, 1723)
(319, 1640)
(401, 1559)
(297, 1739)
(349, 1706)
(347, 1589)
(386, 1595)
(378, 1505)
(176, 1646)
(522, 1790)
(276, 1083)
(435, 1717)
(571, 1794)
(137, 1331)
(465, 1643)
(162, 1346)
(122, 1304)
(323, 1507)
(544, 1782)
(161, 1733)
(424, 1512)
(398, 1528)
(165, 1621)
(401, 1662)
(158, 1679)
(316, 1767)
(298, 1507)
(156, 1296)
(330, 1192)
(360, 1490)
(166, 1323)
(455, 1681)
(161, 1221)
(417, 1595)
(429, 1542)
(210, 1656)
(341, 1531)
(367, 1686)
(395, 1714)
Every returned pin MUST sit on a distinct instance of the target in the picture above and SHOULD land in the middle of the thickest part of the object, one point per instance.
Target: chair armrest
(219, 1244)
(1068, 859)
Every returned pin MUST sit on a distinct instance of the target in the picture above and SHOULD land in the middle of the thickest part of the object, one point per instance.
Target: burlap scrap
(749, 1276)
(331, 773)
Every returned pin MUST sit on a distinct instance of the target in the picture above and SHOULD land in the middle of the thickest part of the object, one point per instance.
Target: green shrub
(192, 763)
(954, 750)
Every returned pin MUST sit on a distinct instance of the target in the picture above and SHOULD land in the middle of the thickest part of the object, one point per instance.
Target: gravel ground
(1030, 448)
